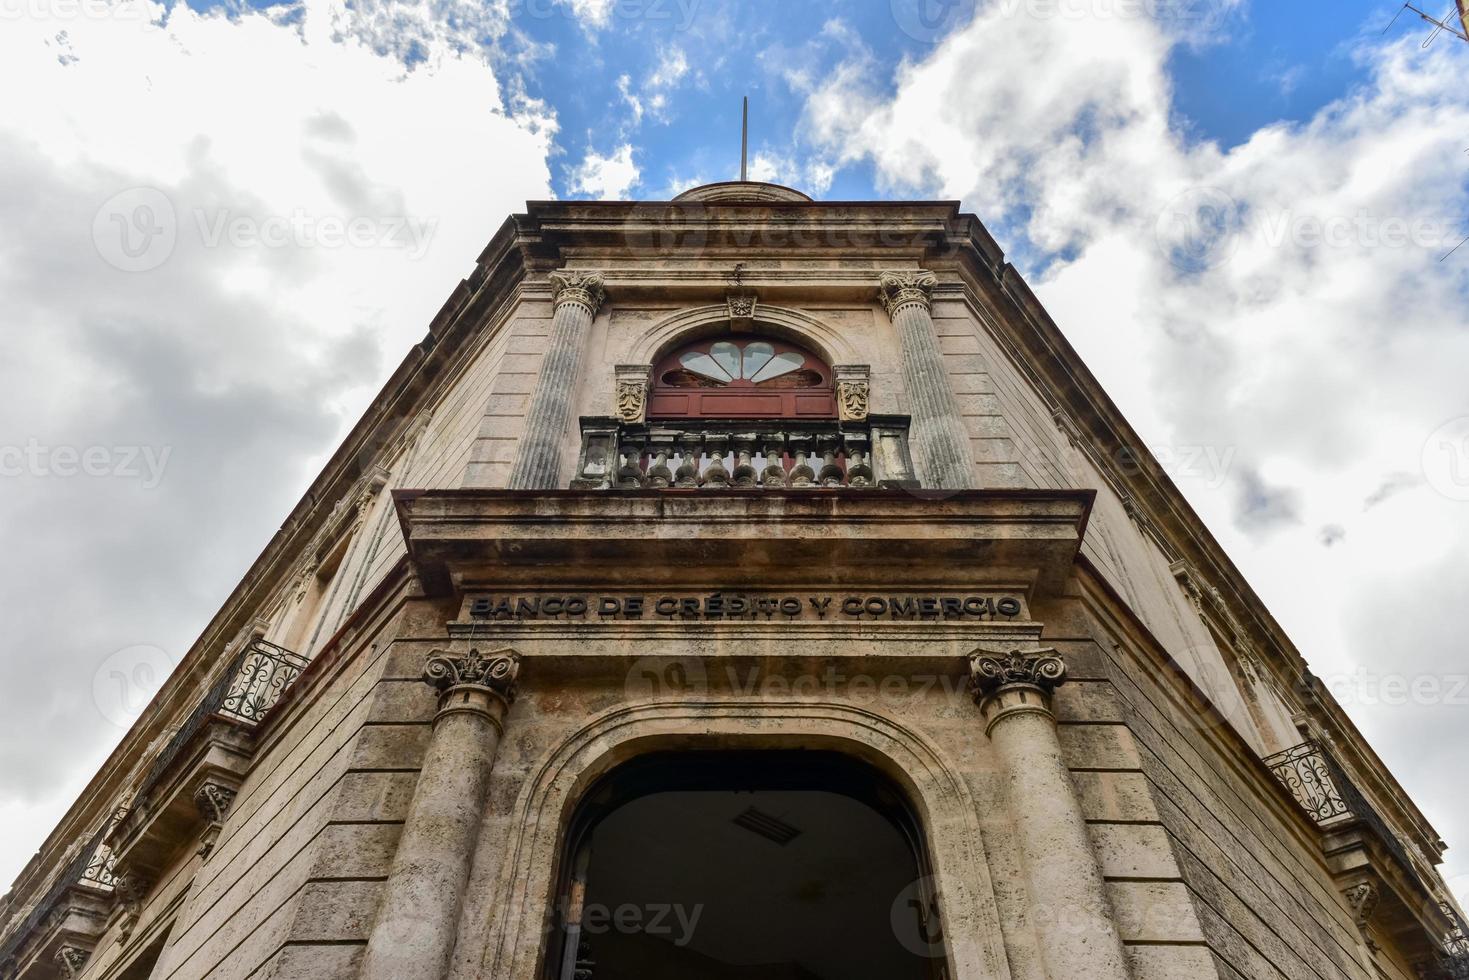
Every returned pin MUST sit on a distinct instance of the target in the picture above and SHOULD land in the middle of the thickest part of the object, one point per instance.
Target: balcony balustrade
(693, 454)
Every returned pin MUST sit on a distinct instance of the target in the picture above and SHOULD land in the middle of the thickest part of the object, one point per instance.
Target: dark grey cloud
(208, 380)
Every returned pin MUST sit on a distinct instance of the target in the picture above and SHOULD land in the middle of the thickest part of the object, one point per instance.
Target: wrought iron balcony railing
(1306, 773)
(243, 694)
(716, 455)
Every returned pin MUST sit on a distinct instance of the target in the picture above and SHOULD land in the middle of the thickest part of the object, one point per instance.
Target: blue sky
(1236, 210)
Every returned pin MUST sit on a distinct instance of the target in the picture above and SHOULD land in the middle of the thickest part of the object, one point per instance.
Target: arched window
(742, 377)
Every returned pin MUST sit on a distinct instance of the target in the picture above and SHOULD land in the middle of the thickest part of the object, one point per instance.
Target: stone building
(740, 587)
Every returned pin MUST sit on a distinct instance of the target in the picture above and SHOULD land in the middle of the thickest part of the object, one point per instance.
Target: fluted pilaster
(579, 295)
(945, 460)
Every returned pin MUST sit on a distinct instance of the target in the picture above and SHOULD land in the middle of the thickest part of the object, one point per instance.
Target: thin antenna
(745, 143)
(1440, 25)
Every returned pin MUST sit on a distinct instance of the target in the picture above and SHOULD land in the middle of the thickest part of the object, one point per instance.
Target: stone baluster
(1074, 925)
(945, 458)
(578, 298)
(418, 917)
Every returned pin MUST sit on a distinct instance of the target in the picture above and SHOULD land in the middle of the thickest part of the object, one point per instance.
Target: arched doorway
(774, 865)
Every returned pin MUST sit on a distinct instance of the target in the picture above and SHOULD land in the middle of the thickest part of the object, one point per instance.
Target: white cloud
(299, 210)
(1281, 300)
(606, 178)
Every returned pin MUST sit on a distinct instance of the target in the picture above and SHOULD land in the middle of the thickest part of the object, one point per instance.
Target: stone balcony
(1388, 882)
(703, 454)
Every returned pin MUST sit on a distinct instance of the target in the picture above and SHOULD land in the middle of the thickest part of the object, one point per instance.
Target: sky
(223, 224)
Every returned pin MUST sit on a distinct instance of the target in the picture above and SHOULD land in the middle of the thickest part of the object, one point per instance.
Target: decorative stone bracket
(214, 799)
(854, 391)
(632, 392)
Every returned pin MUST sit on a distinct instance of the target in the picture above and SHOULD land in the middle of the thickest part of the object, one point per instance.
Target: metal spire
(745, 143)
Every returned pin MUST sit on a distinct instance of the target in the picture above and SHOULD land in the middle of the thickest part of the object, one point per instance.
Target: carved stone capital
(741, 310)
(632, 392)
(72, 959)
(497, 672)
(991, 672)
(854, 392)
(586, 289)
(899, 289)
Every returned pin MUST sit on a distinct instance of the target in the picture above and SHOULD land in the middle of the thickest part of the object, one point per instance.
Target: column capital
(586, 289)
(1015, 681)
(899, 289)
(495, 673)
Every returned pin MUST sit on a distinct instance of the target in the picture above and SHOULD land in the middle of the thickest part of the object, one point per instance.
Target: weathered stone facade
(512, 581)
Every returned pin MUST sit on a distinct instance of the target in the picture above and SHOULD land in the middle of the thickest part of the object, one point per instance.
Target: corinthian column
(945, 459)
(579, 296)
(1068, 902)
(415, 928)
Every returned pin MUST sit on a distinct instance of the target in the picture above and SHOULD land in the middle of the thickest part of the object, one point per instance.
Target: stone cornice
(764, 537)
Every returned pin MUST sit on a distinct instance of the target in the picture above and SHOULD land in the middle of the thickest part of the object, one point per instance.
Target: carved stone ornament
(130, 890)
(73, 959)
(214, 801)
(498, 671)
(585, 288)
(1362, 899)
(852, 399)
(991, 672)
(741, 310)
(898, 289)
(632, 393)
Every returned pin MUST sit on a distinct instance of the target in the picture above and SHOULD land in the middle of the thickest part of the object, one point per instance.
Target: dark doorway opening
(775, 865)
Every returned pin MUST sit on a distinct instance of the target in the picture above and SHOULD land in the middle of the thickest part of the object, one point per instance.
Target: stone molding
(586, 289)
(632, 392)
(899, 289)
(854, 391)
